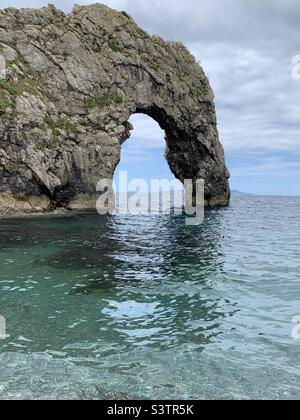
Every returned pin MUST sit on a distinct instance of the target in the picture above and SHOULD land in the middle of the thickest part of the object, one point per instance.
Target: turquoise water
(147, 307)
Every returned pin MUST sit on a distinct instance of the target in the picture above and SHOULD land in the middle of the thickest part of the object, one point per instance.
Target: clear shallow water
(147, 307)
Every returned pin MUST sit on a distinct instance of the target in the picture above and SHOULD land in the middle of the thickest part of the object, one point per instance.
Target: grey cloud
(235, 21)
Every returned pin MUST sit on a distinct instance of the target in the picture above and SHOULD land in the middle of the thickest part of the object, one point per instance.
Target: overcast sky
(246, 48)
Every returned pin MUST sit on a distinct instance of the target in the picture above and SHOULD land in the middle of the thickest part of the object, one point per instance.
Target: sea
(146, 307)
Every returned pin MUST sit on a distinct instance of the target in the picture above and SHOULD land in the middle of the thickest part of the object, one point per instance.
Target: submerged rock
(72, 83)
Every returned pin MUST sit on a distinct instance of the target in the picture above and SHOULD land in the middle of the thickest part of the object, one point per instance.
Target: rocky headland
(70, 85)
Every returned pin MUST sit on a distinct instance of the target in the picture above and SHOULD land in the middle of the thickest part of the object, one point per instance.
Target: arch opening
(144, 153)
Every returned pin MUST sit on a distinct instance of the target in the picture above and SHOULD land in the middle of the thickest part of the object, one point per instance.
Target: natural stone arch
(73, 81)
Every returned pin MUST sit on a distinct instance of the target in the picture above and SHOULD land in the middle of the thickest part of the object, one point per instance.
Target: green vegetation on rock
(125, 14)
(155, 67)
(84, 123)
(103, 101)
(10, 87)
(118, 99)
(61, 124)
(145, 34)
(115, 46)
(41, 147)
(3, 105)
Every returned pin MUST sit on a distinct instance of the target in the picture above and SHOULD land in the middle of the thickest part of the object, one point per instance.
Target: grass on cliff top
(125, 14)
(103, 101)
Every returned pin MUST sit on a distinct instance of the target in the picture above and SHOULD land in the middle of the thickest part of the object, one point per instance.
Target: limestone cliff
(72, 82)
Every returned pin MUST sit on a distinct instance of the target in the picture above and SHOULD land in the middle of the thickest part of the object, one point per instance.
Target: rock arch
(72, 83)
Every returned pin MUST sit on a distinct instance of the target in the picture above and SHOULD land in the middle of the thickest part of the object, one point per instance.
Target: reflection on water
(150, 306)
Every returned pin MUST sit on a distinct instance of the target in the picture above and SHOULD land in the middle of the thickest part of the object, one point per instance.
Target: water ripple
(149, 306)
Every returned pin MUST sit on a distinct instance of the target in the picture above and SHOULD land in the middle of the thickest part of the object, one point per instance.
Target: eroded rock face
(72, 83)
